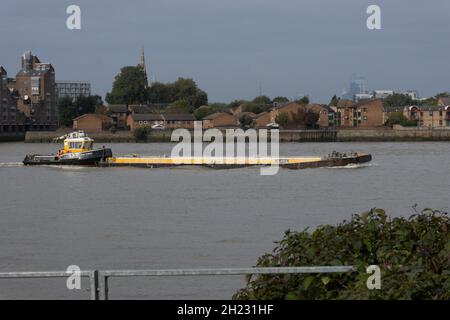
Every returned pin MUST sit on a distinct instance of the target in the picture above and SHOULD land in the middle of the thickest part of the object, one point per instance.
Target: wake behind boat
(78, 150)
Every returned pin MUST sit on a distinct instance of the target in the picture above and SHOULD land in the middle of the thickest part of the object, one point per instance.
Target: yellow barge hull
(226, 163)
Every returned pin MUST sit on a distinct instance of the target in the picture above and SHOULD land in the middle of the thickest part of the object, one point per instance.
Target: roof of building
(393, 109)
(261, 114)
(344, 103)
(216, 115)
(118, 108)
(178, 117)
(140, 109)
(147, 117)
(315, 107)
(365, 102)
(281, 106)
(428, 108)
(445, 100)
(245, 113)
(99, 116)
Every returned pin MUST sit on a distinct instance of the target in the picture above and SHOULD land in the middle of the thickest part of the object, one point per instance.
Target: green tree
(203, 111)
(69, 109)
(398, 100)
(304, 100)
(88, 104)
(186, 89)
(160, 93)
(280, 100)
(246, 121)
(262, 101)
(129, 87)
(311, 119)
(282, 119)
(183, 89)
(235, 103)
(412, 253)
(443, 95)
(334, 101)
(141, 134)
(66, 111)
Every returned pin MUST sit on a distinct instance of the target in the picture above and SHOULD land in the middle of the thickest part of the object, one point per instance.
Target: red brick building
(35, 84)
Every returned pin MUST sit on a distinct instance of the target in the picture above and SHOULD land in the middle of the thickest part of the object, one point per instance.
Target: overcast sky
(230, 47)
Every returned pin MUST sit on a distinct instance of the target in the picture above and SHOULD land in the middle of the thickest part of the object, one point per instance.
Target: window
(35, 85)
(75, 145)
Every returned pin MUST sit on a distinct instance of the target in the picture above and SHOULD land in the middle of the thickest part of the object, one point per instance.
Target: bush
(141, 133)
(409, 123)
(413, 255)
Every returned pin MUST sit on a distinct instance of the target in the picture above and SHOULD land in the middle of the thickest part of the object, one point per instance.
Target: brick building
(219, 119)
(365, 114)
(326, 114)
(35, 84)
(11, 120)
(92, 122)
(119, 114)
(429, 116)
(178, 120)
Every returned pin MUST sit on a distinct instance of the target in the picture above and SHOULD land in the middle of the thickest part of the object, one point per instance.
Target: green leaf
(325, 280)
(308, 282)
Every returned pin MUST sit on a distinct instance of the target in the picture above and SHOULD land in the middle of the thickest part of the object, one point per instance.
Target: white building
(382, 94)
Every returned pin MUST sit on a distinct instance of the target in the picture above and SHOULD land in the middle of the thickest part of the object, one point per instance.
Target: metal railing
(98, 280)
(91, 274)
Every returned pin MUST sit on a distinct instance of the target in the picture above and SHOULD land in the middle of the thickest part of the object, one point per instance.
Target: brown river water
(131, 218)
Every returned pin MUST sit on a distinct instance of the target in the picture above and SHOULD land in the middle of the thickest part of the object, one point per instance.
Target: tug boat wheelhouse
(78, 150)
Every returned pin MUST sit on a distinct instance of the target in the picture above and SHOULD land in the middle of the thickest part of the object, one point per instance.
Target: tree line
(130, 87)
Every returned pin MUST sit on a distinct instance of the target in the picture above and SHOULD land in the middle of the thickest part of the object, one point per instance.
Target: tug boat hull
(88, 158)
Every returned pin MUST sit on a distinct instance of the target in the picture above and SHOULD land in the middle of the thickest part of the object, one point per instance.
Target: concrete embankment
(10, 137)
(341, 135)
(397, 134)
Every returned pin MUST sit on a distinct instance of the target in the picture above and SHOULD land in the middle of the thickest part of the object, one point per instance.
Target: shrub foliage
(413, 255)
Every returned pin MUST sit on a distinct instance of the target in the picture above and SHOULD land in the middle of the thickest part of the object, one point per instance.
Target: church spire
(143, 67)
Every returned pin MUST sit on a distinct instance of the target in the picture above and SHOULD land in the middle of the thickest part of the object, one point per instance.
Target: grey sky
(230, 46)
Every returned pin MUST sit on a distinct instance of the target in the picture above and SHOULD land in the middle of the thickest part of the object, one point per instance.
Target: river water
(131, 218)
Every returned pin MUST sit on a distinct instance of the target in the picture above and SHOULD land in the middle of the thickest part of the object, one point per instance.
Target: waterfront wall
(397, 134)
(12, 136)
(341, 135)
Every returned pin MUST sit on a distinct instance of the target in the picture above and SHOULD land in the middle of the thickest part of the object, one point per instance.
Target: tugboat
(78, 150)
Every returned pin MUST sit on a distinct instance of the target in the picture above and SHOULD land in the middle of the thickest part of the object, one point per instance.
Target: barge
(79, 150)
(334, 159)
